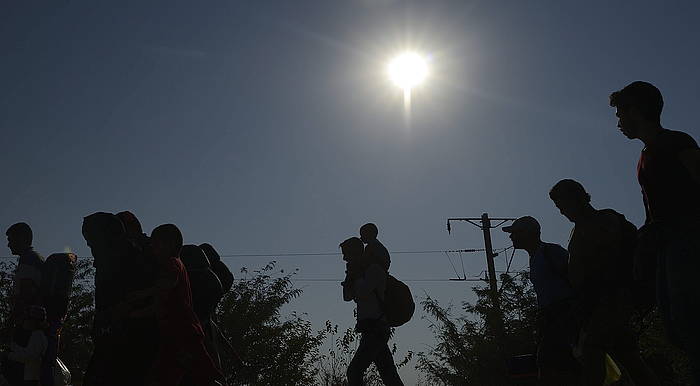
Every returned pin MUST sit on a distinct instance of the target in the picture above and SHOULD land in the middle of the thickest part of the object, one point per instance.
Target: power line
(469, 279)
(409, 280)
(298, 254)
(471, 250)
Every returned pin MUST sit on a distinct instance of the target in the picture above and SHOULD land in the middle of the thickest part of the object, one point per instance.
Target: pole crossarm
(476, 221)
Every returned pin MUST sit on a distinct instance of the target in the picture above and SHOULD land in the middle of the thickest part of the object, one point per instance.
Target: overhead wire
(408, 280)
(462, 277)
(510, 261)
(299, 254)
(453, 266)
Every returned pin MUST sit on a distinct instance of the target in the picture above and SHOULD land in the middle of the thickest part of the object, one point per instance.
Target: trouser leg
(593, 362)
(555, 361)
(386, 366)
(48, 364)
(371, 344)
(677, 287)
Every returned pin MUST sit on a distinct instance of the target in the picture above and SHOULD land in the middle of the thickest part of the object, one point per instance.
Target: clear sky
(266, 127)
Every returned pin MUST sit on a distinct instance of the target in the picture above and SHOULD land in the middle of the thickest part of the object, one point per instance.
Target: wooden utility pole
(486, 228)
(484, 223)
(495, 321)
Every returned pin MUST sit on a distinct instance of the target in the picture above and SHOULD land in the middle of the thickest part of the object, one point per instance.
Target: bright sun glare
(408, 70)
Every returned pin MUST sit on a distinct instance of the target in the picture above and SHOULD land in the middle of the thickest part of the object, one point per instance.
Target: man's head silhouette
(132, 225)
(638, 108)
(368, 232)
(19, 237)
(352, 249)
(166, 241)
(571, 199)
(524, 232)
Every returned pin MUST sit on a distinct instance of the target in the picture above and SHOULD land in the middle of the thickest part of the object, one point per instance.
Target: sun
(408, 70)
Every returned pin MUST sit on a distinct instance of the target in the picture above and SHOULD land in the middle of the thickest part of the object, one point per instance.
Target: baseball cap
(525, 223)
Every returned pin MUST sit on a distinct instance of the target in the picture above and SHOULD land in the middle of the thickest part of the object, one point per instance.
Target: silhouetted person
(206, 294)
(365, 283)
(27, 277)
(27, 350)
(142, 262)
(133, 229)
(117, 272)
(226, 279)
(104, 233)
(181, 350)
(669, 175)
(57, 276)
(374, 249)
(220, 269)
(555, 327)
(140, 332)
(597, 273)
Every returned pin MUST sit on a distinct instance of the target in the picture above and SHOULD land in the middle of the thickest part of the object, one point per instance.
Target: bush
(275, 350)
(467, 351)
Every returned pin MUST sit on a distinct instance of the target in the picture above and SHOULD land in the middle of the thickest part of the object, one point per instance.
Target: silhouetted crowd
(588, 293)
(153, 293)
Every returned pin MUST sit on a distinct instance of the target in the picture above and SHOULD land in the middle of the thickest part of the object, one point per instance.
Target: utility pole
(486, 228)
(484, 223)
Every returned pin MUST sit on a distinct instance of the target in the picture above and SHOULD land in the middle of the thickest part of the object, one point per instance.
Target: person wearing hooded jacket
(206, 294)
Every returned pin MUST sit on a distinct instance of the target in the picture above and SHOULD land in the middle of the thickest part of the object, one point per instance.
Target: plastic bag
(61, 373)
(612, 372)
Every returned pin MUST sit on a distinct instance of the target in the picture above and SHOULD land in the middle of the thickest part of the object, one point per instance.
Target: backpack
(204, 284)
(220, 269)
(57, 274)
(398, 302)
(642, 290)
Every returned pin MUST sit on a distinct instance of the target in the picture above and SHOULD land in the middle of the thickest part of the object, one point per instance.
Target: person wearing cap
(28, 348)
(668, 172)
(597, 273)
(548, 274)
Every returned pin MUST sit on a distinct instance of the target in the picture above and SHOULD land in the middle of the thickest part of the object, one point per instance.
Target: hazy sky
(269, 127)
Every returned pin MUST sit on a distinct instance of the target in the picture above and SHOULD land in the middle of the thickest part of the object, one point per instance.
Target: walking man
(549, 277)
(365, 283)
(598, 273)
(181, 351)
(27, 279)
(669, 175)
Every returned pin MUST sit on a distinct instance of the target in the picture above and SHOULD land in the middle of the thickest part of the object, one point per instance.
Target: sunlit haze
(408, 70)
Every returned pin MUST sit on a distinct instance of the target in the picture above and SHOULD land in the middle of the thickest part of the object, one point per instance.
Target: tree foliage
(467, 351)
(275, 350)
(668, 362)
